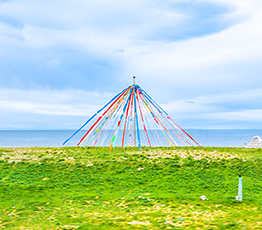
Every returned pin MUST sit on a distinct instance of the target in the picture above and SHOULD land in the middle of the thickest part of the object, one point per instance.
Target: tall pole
(134, 127)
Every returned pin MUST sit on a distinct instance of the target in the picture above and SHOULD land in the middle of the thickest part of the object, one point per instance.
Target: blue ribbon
(94, 116)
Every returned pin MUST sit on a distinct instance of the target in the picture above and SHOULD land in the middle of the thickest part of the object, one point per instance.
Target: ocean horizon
(55, 138)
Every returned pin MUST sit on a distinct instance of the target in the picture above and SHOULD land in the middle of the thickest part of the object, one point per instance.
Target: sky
(61, 61)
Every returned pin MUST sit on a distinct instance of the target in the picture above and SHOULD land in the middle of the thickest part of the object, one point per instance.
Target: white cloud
(240, 109)
(251, 115)
(214, 69)
(50, 102)
(228, 60)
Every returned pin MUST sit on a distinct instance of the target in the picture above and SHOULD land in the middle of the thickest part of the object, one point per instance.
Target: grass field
(156, 188)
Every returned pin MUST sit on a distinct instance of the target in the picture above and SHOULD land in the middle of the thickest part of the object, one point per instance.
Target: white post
(134, 77)
(240, 188)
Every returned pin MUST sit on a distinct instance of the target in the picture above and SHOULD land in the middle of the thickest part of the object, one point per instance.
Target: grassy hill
(156, 188)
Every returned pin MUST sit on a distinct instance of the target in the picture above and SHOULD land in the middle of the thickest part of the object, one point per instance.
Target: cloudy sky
(60, 61)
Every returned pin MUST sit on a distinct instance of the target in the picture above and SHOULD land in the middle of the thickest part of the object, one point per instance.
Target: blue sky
(60, 61)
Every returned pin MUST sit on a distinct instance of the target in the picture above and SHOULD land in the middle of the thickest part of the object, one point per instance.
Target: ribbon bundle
(133, 118)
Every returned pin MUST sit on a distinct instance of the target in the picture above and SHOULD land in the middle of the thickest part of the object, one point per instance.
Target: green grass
(156, 188)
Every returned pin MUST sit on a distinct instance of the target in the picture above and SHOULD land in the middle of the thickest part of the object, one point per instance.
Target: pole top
(134, 77)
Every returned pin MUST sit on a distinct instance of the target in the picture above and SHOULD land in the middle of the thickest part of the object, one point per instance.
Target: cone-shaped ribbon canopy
(133, 118)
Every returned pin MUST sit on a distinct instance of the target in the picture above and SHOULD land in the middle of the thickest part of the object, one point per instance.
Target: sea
(55, 138)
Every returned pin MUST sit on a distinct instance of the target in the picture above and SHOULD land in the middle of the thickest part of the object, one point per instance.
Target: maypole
(118, 123)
